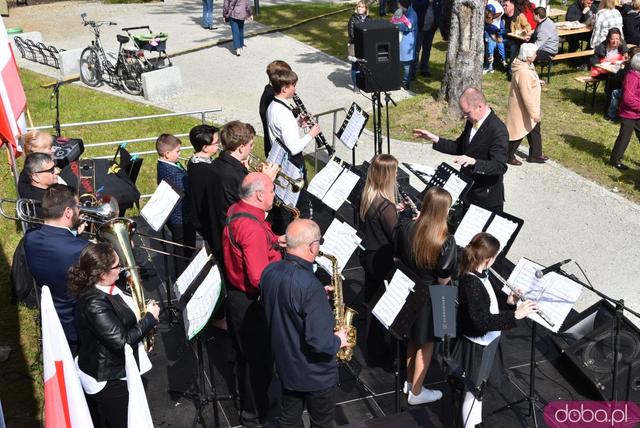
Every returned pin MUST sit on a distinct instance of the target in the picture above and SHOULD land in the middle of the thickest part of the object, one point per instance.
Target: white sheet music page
(393, 299)
(341, 189)
(454, 185)
(502, 228)
(472, 223)
(285, 191)
(277, 154)
(159, 207)
(426, 171)
(323, 180)
(554, 293)
(351, 132)
(340, 240)
(201, 305)
(191, 272)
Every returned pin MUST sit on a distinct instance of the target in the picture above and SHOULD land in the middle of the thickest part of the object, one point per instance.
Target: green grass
(573, 135)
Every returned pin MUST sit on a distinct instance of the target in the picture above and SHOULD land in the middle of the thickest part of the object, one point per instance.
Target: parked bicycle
(96, 68)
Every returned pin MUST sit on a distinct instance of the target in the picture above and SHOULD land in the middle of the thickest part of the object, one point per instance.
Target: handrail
(334, 112)
(129, 119)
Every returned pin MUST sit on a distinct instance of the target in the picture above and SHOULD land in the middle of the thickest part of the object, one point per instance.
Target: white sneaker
(425, 396)
(407, 387)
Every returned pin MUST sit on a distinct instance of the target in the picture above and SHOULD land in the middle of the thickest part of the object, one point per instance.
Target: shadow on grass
(16, 384)
(595, 149)
(578, 97)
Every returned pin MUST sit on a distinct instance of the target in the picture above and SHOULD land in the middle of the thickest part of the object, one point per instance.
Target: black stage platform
(174, 369)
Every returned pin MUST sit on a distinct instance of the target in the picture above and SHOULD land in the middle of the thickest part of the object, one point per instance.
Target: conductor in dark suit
(53, 248)
(481, 150)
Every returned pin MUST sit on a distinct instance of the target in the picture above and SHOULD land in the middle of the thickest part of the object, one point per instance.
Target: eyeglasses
(118, 267)
(49, 170)
(319, 241)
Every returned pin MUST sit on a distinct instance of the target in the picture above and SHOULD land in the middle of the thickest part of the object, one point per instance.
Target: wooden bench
(562, 57)
(590, 83)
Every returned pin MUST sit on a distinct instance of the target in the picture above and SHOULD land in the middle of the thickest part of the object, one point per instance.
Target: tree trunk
(463, 67)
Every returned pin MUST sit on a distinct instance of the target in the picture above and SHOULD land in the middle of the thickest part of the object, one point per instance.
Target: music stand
(199, 302)
(352, 127)
(397, 310)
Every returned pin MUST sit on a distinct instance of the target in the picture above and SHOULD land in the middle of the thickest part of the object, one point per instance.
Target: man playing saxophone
(301, 323)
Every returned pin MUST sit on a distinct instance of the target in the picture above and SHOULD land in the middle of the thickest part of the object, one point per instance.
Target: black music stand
(207, 281)
(402, 321)
(349, 127)
(443, 305)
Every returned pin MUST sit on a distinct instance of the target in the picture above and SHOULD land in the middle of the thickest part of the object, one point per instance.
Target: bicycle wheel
(90, 73)
(130, 76)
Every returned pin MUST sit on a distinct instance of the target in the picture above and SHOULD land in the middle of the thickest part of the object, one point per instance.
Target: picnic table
(564, 30)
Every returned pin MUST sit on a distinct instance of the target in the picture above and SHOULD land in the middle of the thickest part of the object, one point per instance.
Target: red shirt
(254, 249)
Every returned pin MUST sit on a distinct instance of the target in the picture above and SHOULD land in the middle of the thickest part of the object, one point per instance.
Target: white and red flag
(13, 101)
(64, 402)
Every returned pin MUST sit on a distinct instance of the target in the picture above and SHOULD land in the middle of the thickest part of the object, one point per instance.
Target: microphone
(354, 59)
(554, 267)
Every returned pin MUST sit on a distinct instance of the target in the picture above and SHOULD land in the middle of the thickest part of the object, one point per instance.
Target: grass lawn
(21, 386)
(573, 135)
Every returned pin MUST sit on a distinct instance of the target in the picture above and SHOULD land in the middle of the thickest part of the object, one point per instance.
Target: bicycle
(96, 68)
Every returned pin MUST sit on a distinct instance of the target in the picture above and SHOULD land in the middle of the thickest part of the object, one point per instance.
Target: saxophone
(343, 315)
(118, 232)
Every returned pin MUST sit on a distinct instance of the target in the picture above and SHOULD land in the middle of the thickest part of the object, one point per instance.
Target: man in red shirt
(248, 246)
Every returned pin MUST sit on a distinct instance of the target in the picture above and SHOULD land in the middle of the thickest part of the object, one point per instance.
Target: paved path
(566, 216)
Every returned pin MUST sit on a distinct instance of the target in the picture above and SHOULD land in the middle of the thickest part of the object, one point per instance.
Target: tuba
(343, 315)
(118, 232)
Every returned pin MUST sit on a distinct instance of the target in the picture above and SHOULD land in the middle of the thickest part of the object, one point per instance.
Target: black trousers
(627, 127)
(109, 407)
(183, 234)
(320, 405)
(254, 363)
(534, 138)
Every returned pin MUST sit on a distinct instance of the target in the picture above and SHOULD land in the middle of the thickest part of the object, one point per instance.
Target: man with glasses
(249, 245)
(301, 325)
(41, 172)
(53, 248)
(481, 150)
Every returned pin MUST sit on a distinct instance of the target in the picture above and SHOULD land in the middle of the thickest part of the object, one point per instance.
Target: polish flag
(64, 402)
(13, 101)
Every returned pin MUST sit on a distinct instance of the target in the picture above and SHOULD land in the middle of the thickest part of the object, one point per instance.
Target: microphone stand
(56, 94)
(376, 112)
(620, 308)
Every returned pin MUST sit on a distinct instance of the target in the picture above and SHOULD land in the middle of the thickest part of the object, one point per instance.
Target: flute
(519, 296)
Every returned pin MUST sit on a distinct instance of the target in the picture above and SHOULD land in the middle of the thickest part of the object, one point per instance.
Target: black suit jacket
(489, 149)
(201, 183)
(50, 252)
(228, 173)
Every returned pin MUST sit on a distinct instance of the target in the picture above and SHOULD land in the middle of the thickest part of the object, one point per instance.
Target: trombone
(256, 164)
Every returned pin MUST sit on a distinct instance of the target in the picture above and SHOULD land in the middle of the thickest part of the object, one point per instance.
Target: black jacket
(353, 20)
(474, 318)
(574, 12)
(489, 149)
(201, 182)
(105, 324)
(265, 99)
(601, 51)
(631, 25)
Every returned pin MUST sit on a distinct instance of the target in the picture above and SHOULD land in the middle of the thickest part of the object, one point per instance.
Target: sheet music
(202, 303)
(423, 169)
(340, 240)
(554, 293)
(341, 189)
(355, 123)
(159, 207)
(323, 180)
(455, 186)
(277, 154)
(502, 228)
(472, 223)
(285, 191)
(393, 299)
(191, 272)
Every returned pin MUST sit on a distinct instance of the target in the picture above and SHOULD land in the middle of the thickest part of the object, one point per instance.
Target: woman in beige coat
(523, 111)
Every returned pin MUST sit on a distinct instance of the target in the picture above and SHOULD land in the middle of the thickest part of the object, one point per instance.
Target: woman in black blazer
(106, 321)
(479, 318)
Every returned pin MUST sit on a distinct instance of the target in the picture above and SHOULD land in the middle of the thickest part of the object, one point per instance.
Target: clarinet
(320, 140)
(407, 200)
(520, 296)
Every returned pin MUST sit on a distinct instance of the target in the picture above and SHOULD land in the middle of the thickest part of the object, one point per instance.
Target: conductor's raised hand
(526, 308)
(465, 160)
(423, 133)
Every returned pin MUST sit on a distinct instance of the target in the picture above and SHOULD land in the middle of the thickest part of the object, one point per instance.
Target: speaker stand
(387, 99)
(377, 122)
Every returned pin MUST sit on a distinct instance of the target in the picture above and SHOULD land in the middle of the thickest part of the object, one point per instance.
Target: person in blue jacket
(406, 19)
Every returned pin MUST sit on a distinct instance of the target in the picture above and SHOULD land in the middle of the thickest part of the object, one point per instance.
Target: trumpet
(519, 295)
(256, 164)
